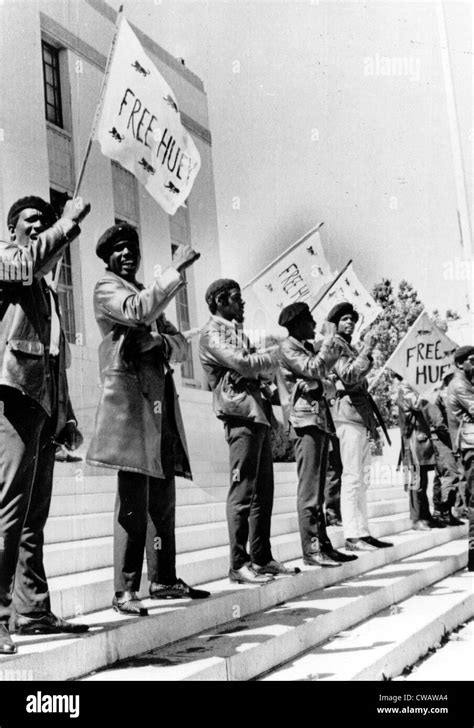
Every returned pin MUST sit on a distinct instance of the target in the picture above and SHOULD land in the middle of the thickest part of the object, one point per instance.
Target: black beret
(219, 286)
(340, 310)
(292, 312)
(462, 352)
(35, 203)
(115, 234)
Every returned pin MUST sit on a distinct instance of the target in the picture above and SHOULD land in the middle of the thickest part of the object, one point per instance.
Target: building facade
(52, 59)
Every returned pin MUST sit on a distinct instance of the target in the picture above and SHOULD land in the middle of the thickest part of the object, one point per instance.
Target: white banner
(349, 288)
(424, 355)
(296, 275)
(140, 125)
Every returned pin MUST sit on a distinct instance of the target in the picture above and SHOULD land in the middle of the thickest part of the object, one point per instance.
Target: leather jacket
(353, 403)
(25, 314)
(236, 374)
(303, 372)
(416, 437)
(460, 405)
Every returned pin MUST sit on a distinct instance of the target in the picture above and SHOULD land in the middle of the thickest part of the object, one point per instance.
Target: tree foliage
(400, 309)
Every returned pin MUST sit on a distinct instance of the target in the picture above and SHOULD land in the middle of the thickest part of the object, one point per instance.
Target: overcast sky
(309, 125)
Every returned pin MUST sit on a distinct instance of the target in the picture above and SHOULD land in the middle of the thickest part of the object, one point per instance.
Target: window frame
(54, 86)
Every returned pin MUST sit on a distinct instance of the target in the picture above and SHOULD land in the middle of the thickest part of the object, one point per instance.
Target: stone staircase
(364, 620)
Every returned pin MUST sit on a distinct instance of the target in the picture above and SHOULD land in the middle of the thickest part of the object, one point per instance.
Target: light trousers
(355, 457)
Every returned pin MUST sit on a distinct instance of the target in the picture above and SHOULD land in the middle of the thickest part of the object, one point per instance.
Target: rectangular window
(125, 191)
(65, 285)
(52, 86)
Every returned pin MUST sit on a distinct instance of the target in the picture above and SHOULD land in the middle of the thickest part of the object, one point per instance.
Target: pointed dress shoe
(437, 522)
(7, 646)
(178, 590)
(450, 520)
(275, 568)
(246, 575)
(319, 558)
(47, 623)
(128, 603)
(340, 556)
(358, 544)
(375, 542)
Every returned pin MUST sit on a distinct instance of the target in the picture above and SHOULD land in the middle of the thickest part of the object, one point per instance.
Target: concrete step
(95, 525)
(88, 484)
(456, 653)
(253, 645)
(87, 591)
(115, 637)
(198, 467)
(79, 497)
(381, 647)
(69, 557)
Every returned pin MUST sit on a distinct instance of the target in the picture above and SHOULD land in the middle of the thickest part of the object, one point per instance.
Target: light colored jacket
(128, 433)
(25, 315)
(235, 373)
(352, 403)
(302, 372)
(460, 406)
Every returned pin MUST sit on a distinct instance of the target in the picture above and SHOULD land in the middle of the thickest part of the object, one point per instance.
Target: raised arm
(306, 365)
(114, 300)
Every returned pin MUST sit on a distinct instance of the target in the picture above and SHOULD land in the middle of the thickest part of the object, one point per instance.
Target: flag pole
(94, 123)
(320, 298)
(282, 255)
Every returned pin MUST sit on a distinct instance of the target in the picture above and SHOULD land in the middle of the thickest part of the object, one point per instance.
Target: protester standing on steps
(459, 509)
(448, 477)
(238, 377)
(332, 489)
(139, 430)
(303, 372)
(356, 419)
(461, 423)
(35, 410)
(417, 456)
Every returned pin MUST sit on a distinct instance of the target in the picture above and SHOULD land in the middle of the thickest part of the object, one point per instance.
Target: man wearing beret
(303, 372)
(35, 411)
(237, 375)
(461, 422)
(356, 420)
(139, 430)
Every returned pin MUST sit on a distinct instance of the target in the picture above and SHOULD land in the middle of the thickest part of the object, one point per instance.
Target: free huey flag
(139, 124)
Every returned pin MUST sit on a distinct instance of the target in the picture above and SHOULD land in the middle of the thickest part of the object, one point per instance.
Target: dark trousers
(250, 497)
(418, 498)
(145, 511)
(26, 478)
(468, 465)
(447, 478)
(311, 449)
(332, 490)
